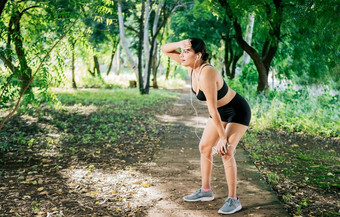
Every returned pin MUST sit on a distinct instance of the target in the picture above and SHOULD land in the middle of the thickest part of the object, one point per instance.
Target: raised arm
(170, 49)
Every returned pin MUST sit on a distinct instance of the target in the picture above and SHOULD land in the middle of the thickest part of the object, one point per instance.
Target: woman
(229, 118)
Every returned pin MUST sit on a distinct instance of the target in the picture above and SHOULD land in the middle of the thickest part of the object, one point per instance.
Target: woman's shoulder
(209, 71)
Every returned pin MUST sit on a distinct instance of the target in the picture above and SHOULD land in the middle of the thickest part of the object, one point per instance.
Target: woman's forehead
(188, 49)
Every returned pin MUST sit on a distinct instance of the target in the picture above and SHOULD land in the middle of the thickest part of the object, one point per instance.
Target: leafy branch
(32, 78)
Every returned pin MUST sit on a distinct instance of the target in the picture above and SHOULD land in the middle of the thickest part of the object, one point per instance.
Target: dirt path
(176, 167)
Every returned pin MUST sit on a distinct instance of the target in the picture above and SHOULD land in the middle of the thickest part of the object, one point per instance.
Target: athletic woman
(229, 118)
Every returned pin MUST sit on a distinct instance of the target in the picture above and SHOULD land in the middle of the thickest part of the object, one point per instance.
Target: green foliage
(191, 22)
(22, 47)
(296, 164)
(293, 110)
(249, 74)
(273, 177)
(311, 49)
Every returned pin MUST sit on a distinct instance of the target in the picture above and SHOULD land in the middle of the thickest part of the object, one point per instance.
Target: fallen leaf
(44, 192)
(40, 189)
(145, 185)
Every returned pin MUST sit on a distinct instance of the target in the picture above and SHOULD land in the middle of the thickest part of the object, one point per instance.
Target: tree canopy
(295, 40)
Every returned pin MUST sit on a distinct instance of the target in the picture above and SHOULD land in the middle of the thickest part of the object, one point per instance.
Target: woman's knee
(205, 149)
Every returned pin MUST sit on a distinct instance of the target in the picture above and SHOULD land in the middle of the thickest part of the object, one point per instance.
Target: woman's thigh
(234, 132)
(210, 135)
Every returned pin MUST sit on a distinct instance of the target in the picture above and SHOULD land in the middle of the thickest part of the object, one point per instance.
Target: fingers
(222, 150)
(186, 44)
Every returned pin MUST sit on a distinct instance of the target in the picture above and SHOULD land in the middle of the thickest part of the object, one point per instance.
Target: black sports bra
(220, 93)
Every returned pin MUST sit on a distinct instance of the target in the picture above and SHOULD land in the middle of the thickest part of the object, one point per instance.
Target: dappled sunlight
(121, 80)
(117, 190)
(83, 110)
(193, 121)
(29, 119)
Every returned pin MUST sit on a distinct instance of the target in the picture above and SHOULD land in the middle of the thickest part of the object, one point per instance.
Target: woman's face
(188, 57)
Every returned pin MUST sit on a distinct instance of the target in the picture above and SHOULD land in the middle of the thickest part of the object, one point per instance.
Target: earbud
(197, 57)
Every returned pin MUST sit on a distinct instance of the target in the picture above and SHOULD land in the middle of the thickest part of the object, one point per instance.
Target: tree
(273, 12)
(100, 17)
(161, 11)
(44, 22)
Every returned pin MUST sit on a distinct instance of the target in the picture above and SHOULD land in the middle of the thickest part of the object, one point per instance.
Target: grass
(300, 168)
(293, 111)
(98, 133)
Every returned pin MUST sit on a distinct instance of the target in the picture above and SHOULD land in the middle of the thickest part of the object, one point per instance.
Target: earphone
(197, 57)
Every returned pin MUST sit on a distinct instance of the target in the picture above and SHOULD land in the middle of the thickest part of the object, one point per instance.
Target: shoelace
(197, 192)
(229, 201)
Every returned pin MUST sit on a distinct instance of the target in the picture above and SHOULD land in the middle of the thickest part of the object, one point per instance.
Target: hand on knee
(230, 153)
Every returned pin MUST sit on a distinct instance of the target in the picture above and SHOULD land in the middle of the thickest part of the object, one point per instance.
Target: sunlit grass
(293, 111)
(119, 97)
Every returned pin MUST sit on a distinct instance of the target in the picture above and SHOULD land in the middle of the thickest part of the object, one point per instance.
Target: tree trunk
(154, 30)
(74, 85)
(236, 57)
(228, 57)
(248, 37)
(117, 56)
(111, 61)
(93, 72)
(146, 39)
(154, 67)
(140, 51)
(96, 65)
(123, 39)
(25, 71)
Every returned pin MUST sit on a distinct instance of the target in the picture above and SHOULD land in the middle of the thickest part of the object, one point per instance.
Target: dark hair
(198, 45)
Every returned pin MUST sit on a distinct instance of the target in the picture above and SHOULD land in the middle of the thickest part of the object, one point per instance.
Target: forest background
(282, 56)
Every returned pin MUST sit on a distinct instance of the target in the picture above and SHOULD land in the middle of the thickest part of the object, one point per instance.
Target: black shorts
(236, 111)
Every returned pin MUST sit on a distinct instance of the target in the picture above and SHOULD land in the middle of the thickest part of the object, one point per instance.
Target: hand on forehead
(186, 45)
